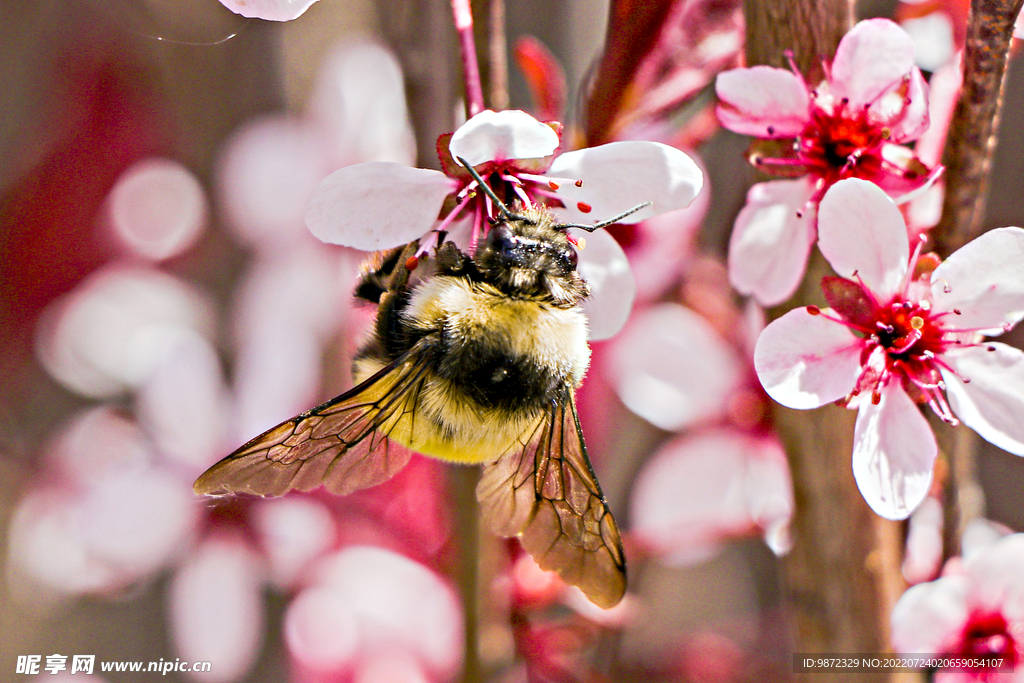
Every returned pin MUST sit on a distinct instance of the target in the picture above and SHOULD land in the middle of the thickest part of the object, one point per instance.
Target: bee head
(525, 255)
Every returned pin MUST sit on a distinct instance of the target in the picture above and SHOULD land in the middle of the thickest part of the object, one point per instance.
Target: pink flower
(852, 125)
(977, 612)
(902, 330)
(378, 205)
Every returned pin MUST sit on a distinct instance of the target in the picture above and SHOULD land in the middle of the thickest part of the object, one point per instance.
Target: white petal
(216, 608)
(695, 492)
(271, 10)
(893, 453)
(117, 326)
(621, 175)
(359, 100)
(929, 616)
(984, 281)
(184, 405)
(806, 361)
(605, 267)
(398, 605)
(996, 577)
(923, 555)
(771, 239)
(502, 136)
(266, 173)
(294, 531)
(158, 208)
(871, 58)
(762, 101)
(861, 231)
(376, 205)
(933, 40)
(672, 368)
(992, 403)
(138, 521)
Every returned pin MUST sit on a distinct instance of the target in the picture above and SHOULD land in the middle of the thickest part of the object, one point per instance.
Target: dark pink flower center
(987, 635)
(841, 144)
(903, 341)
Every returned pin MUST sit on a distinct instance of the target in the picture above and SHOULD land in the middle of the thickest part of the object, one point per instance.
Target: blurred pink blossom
(372, 612)
(851, 125)
(901, 331)
(976, 610)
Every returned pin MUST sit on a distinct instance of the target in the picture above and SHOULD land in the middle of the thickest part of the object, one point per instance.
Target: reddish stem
(471, 68)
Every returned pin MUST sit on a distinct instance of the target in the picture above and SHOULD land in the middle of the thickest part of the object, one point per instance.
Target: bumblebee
(477, 362)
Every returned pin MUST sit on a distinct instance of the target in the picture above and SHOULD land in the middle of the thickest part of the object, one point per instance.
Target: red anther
(579, 183)
(814, 310)
(553, 185)
(876, 398)
(585, 208)
(411, 263)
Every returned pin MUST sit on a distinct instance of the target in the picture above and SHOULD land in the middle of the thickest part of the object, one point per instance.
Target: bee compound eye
(571, 257)
(501, 239)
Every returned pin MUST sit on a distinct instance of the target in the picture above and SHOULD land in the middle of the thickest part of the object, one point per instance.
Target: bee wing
(546, 493)
(342, 444)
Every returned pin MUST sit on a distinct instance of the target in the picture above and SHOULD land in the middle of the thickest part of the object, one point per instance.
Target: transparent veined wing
(342, 444)
(544, 491)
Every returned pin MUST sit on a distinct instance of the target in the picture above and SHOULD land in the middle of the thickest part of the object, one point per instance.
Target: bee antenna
(508, 215)
(605, 223)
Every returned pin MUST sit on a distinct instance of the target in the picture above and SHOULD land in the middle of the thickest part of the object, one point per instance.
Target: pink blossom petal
(116, 327)
(905, 184)
(184, 405)
(621, 175)
(996, 577)
(503, 136)
(762, 101)
(368, 602)
(294, 531)
(983, 280)
(46, 552)
(390, 668)
(861, 231)
(266, 173)
(216, 608)
(606, 269)
(914, 119)
(943, 90)
(97, 442)
(377, 205)
(359, 100)
(929, 616)
(321, 629)
(136, 522)
(934, 42)
(806, 361)
(157, 208)
(923, 555)
(993, 401)
(771, 239)
(893, 453)
(871, 58)
(670, 367)
(271, 10)
(696, 492)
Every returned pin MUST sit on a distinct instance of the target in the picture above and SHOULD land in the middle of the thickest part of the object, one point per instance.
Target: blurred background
(161, 302)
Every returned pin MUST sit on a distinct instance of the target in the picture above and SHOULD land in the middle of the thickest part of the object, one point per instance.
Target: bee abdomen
(495, 379)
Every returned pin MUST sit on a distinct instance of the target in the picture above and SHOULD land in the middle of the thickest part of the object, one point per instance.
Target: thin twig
(972, 132)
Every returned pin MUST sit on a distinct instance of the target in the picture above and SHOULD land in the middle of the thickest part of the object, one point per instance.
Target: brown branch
(972, 132)
(970, 145)
(843, 573)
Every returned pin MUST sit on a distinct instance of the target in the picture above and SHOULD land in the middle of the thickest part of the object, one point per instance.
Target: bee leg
(451, 261)
(389, 325)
